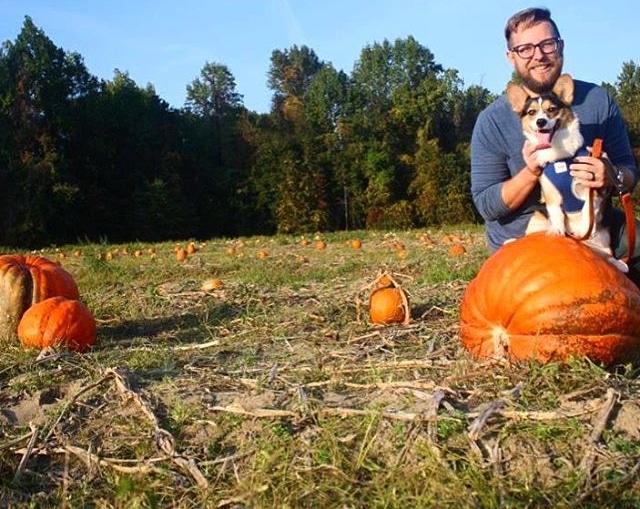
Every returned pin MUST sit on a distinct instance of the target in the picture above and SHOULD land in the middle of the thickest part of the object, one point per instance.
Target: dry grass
(275, 391)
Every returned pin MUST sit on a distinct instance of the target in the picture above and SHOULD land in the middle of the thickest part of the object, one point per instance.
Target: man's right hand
(530, 159)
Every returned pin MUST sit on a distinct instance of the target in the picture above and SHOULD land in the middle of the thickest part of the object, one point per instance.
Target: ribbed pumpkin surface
(25, 280)
(58, 321)
(548, 298)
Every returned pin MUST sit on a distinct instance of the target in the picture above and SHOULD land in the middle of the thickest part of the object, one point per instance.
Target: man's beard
(541, 87)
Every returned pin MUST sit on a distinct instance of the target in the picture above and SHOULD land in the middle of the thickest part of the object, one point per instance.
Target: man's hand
(530, 159)
(591, 171)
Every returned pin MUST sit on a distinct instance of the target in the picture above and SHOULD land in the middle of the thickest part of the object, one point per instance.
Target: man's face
(540, 71)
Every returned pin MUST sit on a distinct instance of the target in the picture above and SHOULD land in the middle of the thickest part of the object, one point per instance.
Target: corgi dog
(571, 208)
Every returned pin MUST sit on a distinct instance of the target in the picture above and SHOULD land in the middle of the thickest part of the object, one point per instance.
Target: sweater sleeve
(600, 117)
(489, 169)
(496, 156)
(616, 141)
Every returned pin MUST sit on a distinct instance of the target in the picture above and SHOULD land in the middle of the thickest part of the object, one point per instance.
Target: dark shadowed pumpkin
(549, 298)
(25, 280)
(60, 322)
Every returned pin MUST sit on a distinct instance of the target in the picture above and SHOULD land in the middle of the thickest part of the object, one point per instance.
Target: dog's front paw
(619, 264)
(556, 231)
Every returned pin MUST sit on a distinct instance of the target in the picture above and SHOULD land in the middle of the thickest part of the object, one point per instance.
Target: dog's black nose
(541, 122)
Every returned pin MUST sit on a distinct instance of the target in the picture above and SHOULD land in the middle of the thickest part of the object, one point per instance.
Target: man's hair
(526, 19)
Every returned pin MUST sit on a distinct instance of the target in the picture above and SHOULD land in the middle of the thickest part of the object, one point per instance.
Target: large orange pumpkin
(26, 280)
(549, 298)
(58, 321)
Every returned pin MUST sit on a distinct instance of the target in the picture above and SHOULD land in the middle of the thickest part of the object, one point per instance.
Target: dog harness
(558, 173)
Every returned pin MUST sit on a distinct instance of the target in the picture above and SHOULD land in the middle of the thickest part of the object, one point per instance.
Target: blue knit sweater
(496, 155)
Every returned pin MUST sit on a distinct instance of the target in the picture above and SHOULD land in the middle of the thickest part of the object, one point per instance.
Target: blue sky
(166, 43)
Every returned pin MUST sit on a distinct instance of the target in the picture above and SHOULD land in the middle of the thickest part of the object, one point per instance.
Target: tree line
(387, 146)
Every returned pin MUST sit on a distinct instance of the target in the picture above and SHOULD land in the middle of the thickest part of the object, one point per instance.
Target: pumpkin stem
(500, 338)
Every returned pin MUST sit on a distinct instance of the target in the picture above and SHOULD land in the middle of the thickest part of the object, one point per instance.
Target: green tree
(129, 144)
(289, 172)
(214, 93)
(290, 76)
(627, 94)
(395, 90)
(218, 152)
(40, 86)
(324, 112)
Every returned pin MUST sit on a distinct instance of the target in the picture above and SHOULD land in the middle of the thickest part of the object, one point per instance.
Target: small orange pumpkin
(181, 254)
(388, 305)
(26, 280)
(58, 321)
(457, 249)
(211, 284)
(549, 298)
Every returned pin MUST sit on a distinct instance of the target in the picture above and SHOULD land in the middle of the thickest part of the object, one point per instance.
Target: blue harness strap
(558, 173)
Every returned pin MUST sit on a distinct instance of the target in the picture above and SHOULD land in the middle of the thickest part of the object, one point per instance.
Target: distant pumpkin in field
(457, 249)
(211, 284)
(58, 321)
(181, 254)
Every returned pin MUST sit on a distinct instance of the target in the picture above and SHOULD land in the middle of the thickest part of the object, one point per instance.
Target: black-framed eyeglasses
(547, 47)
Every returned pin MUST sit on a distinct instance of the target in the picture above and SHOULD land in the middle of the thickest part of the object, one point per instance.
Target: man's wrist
(618, 174)
(620, 177)
(537, 171)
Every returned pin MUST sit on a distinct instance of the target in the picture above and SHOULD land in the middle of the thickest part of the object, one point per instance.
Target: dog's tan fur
(551, 119)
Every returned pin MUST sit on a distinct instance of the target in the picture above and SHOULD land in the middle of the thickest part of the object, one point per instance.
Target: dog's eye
(532, 112)
(552, 109)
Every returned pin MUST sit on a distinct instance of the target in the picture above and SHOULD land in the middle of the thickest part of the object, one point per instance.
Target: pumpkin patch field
(317, 371)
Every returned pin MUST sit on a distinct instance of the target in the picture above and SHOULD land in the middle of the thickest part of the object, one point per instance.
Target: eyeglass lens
(547, 47)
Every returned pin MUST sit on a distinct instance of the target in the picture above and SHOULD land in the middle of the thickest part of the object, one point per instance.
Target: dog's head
(542, 116)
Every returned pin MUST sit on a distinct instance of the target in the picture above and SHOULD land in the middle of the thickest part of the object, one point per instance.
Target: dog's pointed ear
(517, 97)
(563, 88)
